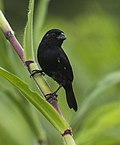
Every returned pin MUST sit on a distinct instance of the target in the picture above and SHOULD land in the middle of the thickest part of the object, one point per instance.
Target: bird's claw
(51, 96)
(36, 72)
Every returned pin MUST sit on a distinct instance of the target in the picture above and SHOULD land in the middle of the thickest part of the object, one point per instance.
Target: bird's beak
(61, 36)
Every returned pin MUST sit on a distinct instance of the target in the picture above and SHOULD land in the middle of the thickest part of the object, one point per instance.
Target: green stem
(42, 85)
(9, 34)
(39, 80)
(68, 139)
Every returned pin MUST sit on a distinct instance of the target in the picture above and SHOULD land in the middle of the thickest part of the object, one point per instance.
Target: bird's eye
(53, 34)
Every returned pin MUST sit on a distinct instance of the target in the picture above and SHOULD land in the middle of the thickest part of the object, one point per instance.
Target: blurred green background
(92, 28)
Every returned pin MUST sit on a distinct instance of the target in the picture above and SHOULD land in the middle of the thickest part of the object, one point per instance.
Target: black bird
(54, 62)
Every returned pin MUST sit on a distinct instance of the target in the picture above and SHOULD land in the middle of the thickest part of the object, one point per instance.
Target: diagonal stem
(30, 65)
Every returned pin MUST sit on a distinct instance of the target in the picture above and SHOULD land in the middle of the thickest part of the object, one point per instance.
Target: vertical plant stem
(68, 139)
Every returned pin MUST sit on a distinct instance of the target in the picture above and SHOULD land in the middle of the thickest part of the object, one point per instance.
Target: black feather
(54, 62)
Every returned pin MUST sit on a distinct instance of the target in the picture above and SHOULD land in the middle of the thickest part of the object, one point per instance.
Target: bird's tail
(70, 97)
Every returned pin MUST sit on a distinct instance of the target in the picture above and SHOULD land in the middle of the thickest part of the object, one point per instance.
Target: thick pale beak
(61, 36)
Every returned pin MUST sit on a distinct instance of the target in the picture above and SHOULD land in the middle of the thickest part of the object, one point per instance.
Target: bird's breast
(47, 59)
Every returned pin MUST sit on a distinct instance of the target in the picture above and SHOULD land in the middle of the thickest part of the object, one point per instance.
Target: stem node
(67, 131)
(9, 34)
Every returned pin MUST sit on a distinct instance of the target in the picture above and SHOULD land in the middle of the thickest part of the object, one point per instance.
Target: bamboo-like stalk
(69, 140)
(31, 65)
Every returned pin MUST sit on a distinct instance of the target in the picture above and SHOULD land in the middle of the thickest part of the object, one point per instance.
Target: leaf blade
(102, 125)
(44, 107)
(40, 16)
(107, 82)
(28, 33)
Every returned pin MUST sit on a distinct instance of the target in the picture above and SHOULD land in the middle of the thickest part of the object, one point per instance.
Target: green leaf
(28, 33)
(109, 81)
(101, 126)
(40, 16)
(43, 106)
(29, 113)
(13, 123)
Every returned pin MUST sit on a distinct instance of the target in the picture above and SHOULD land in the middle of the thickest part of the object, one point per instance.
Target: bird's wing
(64, 65)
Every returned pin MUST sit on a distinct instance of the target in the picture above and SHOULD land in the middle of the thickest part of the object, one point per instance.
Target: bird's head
(54, 37)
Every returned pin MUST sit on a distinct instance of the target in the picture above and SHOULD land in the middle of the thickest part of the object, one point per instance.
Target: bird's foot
(36, 72)
(51, 96)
